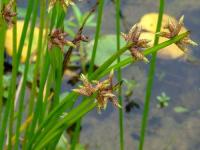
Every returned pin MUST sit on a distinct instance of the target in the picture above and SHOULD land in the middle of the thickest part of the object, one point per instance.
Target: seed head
(138, 44)
(57, 38)
(8, 14)
(174, 30)
(103, 89)
(64, 4)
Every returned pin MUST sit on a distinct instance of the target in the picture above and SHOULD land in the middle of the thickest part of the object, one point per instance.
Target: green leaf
(90, 21)
(56, 58)
(77, 14)
(30, 71)
(21, 12)
(62, 144)
(180, 109)
(106, 48)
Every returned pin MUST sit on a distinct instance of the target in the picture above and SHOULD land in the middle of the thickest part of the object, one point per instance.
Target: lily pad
(180, 109)
(106, 48)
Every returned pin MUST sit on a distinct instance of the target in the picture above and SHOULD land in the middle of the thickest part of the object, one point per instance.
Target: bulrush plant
(103, 89)
(8, 14)
(41, 121)
(174, 29)
(138, 44)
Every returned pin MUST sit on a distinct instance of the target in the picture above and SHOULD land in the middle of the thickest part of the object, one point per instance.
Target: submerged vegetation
(34, 112)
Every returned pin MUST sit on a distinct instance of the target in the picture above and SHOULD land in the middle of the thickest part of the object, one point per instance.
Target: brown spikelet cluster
(174, 30)
(8, 13)
(138, 44)
(64, 3)
(103, 89)
(57, 38)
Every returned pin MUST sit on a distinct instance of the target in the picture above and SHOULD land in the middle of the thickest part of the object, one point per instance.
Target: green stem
(150, 80)
(97, 33)
(119, 76)
(12, 88)
(76, 135)
(24, 81)
(3, 28)
(68, 120)
(39, 104)
(2, 41)
(37, 70)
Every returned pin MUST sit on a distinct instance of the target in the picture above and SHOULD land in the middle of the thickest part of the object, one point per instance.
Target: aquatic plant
(39, 121)
(163, 100)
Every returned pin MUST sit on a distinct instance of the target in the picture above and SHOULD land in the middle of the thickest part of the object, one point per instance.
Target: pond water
(179, 79)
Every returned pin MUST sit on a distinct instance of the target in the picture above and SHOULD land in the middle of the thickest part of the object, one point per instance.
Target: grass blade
(119, 76)
(12, 89)
(23, 88)
(150, 80)
(97, 33)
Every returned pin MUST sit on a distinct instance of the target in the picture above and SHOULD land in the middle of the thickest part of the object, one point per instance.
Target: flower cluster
(138, 44)
(174, 30)
(64, 4)
(103, 89)
(8, 14)
(57, 38)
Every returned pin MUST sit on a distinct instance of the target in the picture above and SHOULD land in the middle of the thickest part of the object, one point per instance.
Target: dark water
(167, 130)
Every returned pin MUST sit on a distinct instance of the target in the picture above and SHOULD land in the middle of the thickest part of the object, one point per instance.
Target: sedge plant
(38, 121)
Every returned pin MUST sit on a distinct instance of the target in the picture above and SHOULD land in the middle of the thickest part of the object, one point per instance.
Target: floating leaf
(180, 109)
(106, 48)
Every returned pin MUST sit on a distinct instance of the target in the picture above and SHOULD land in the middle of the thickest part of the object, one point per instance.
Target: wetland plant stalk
(97, 34)
(39, 103)
(150, 80)
(119, 75)
(12, 88)
(2, 41)
(25, 75)
(14, 61)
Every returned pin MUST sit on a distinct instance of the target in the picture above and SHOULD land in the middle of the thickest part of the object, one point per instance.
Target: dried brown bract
(174, 30)
(8, 13)
(103, 89)
(64, 3)
(57, 38)
(138, 44)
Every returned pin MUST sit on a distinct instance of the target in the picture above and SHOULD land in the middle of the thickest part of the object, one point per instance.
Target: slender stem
(39, 103)
(150, 80)
(108, 62)
(97, 33)
(76, 135)
(13, 64)
(2, 41)
(119, 76)
(39, 53)
(41, 50)
(68, 120)
(59, 59)
(24, 81)
(12, 88)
